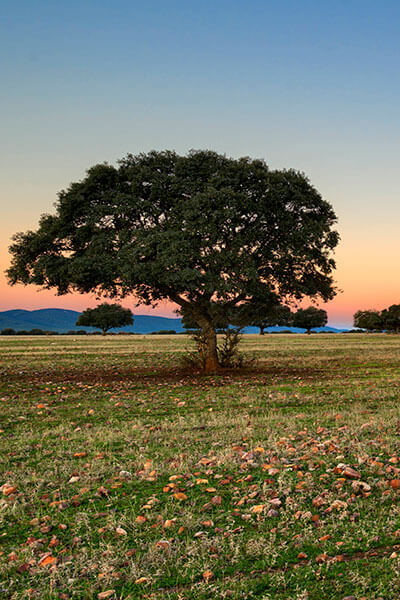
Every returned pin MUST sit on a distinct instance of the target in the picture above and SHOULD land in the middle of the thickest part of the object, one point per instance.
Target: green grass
(254, 456)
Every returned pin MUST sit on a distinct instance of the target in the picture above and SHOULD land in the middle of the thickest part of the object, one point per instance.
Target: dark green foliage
(309, 318)
(164, 332)
(8, 331)
(371, 320)
(228, 350)
(268, 312)
(390, 318)
(374, 320)
(106, 317)
(220, 316)
(73, 332)
(201, 230)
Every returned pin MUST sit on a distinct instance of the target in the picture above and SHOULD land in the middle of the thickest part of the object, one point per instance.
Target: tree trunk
(210, 351)
(261, 330)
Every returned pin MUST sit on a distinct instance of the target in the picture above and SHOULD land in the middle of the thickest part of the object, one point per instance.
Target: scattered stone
(351, 473)
(47, 559)
(140, 519)
(105, 595)
(339, 504)
(73, 479)
(163, 544)
(275, 502)
(8, 489)
(322, 558)
(360, 487)
(257, 508)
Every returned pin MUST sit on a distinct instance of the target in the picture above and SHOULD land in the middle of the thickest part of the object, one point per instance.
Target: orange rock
(321, 558)
(351, 473)
(106, 594)
(180, 496)
(8, 489)
(169, 523)
(163, 544)
(140, 519)
(258, 508)
(48, 559)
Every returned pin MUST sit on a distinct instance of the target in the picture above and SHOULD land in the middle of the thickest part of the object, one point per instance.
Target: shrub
(164, 332)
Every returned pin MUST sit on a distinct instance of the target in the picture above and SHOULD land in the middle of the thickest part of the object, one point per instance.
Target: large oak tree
(198, 230)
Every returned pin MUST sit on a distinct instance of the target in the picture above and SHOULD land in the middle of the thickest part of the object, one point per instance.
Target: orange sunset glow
(364, 276)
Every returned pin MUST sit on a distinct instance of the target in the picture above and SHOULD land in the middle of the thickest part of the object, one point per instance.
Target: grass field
(123, 476)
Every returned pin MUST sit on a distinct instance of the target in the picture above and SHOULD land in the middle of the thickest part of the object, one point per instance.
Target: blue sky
(310, 85)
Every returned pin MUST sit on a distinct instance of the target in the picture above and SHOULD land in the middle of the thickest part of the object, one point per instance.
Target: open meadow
(124, 476)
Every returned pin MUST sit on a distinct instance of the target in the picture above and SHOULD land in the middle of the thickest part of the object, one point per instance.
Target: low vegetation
(126, 477)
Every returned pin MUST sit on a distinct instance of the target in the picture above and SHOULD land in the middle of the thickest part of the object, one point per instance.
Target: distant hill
(60, 320)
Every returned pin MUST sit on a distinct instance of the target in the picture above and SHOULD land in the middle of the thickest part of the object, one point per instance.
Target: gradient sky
(312, 85)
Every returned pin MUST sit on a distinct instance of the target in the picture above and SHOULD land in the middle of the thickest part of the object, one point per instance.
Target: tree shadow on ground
(264, 374)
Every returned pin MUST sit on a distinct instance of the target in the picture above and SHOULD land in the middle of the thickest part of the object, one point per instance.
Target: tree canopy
(105, 317)
(198, 230)
(370, 320)
(390, 318)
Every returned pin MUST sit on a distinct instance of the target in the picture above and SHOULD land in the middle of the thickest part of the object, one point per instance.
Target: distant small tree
(371, 320)
(390, 318)
(8, 331)
(105, 317)
(309, 318)
(164, 332)
(263, 314)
